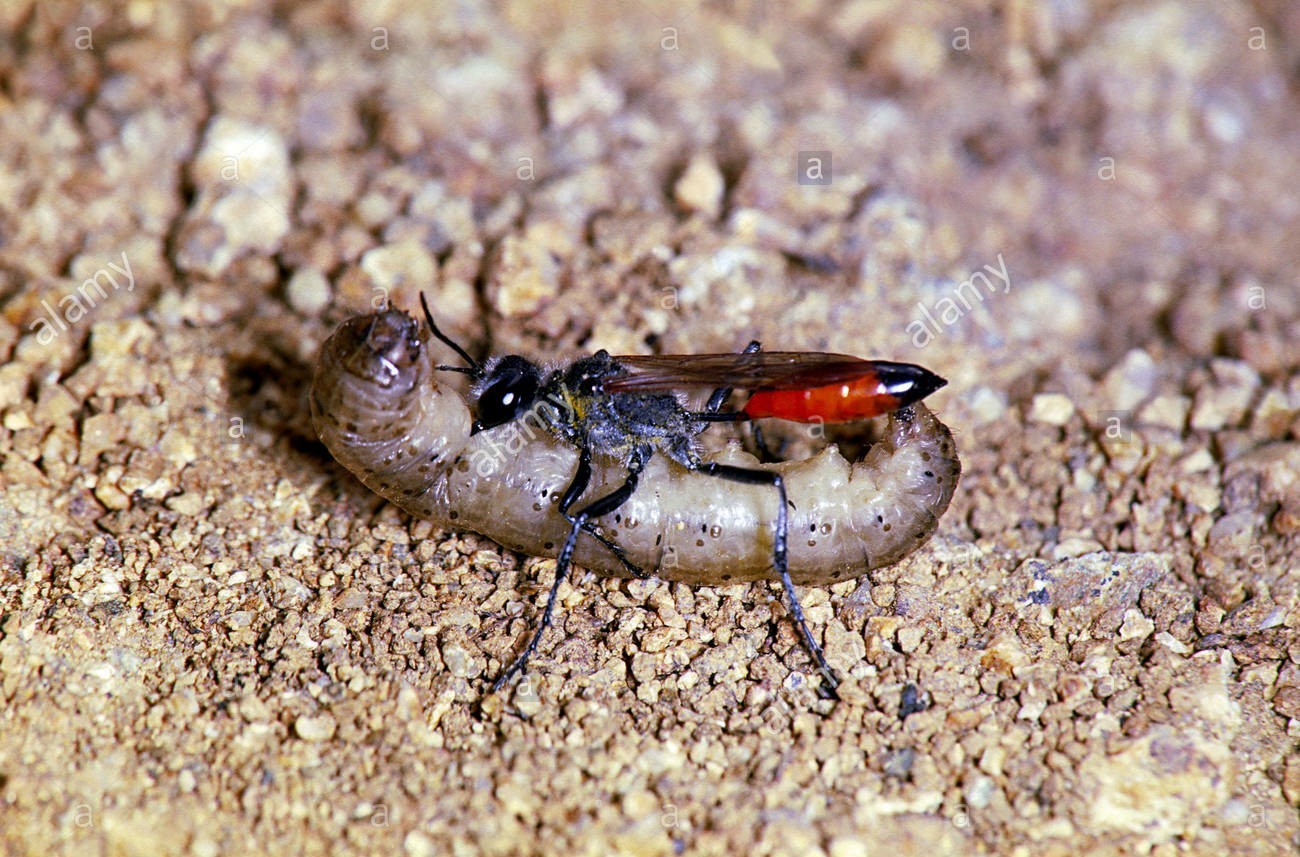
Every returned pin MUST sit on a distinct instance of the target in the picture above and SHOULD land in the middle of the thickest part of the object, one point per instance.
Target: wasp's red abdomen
(881, 388)
(834, 403)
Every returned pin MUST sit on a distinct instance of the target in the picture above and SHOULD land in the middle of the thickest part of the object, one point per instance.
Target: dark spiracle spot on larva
(715, 531)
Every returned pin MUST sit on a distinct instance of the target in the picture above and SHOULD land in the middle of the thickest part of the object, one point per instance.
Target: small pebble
(1136, 626)
(14, 381)
(418, 844)
(1224, 403)
(979, 792)
(318, 728)
(392, 266)
(1166, 411)
(526, 275)
(202, 846)
(986, 404)
(1233, 534)
(1291, 780)
(308, 291)
(848, 846)
(189, 504)
(100, 433)
(1131, 381)
(1286, 701)
(1051, 408)
(700, 187)
(1075, 546)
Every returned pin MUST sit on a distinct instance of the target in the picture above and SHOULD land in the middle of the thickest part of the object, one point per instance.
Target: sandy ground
(1083, 214)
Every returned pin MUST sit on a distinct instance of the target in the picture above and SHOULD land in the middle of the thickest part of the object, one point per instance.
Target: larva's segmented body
(380, 409)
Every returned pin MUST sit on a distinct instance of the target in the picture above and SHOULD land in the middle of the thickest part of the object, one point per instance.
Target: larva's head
(383, 349)
(376, 386)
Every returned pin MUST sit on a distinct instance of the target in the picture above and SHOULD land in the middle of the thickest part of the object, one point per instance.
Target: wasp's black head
(508, 389)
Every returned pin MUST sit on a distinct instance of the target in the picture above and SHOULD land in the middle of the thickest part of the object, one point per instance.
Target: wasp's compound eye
(509, 389)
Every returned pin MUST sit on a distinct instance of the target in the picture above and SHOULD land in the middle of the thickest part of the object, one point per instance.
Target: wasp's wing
(767, 370)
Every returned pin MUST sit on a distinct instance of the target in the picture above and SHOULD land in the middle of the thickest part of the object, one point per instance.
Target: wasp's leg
(780, 559)
(594, 509)
(712, 410)
(721, 394)
(581, 479)
(578, 485)
(619, 554)
(760, 444)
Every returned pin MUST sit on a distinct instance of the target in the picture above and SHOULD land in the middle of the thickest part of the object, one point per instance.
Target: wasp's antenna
(446, 340)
